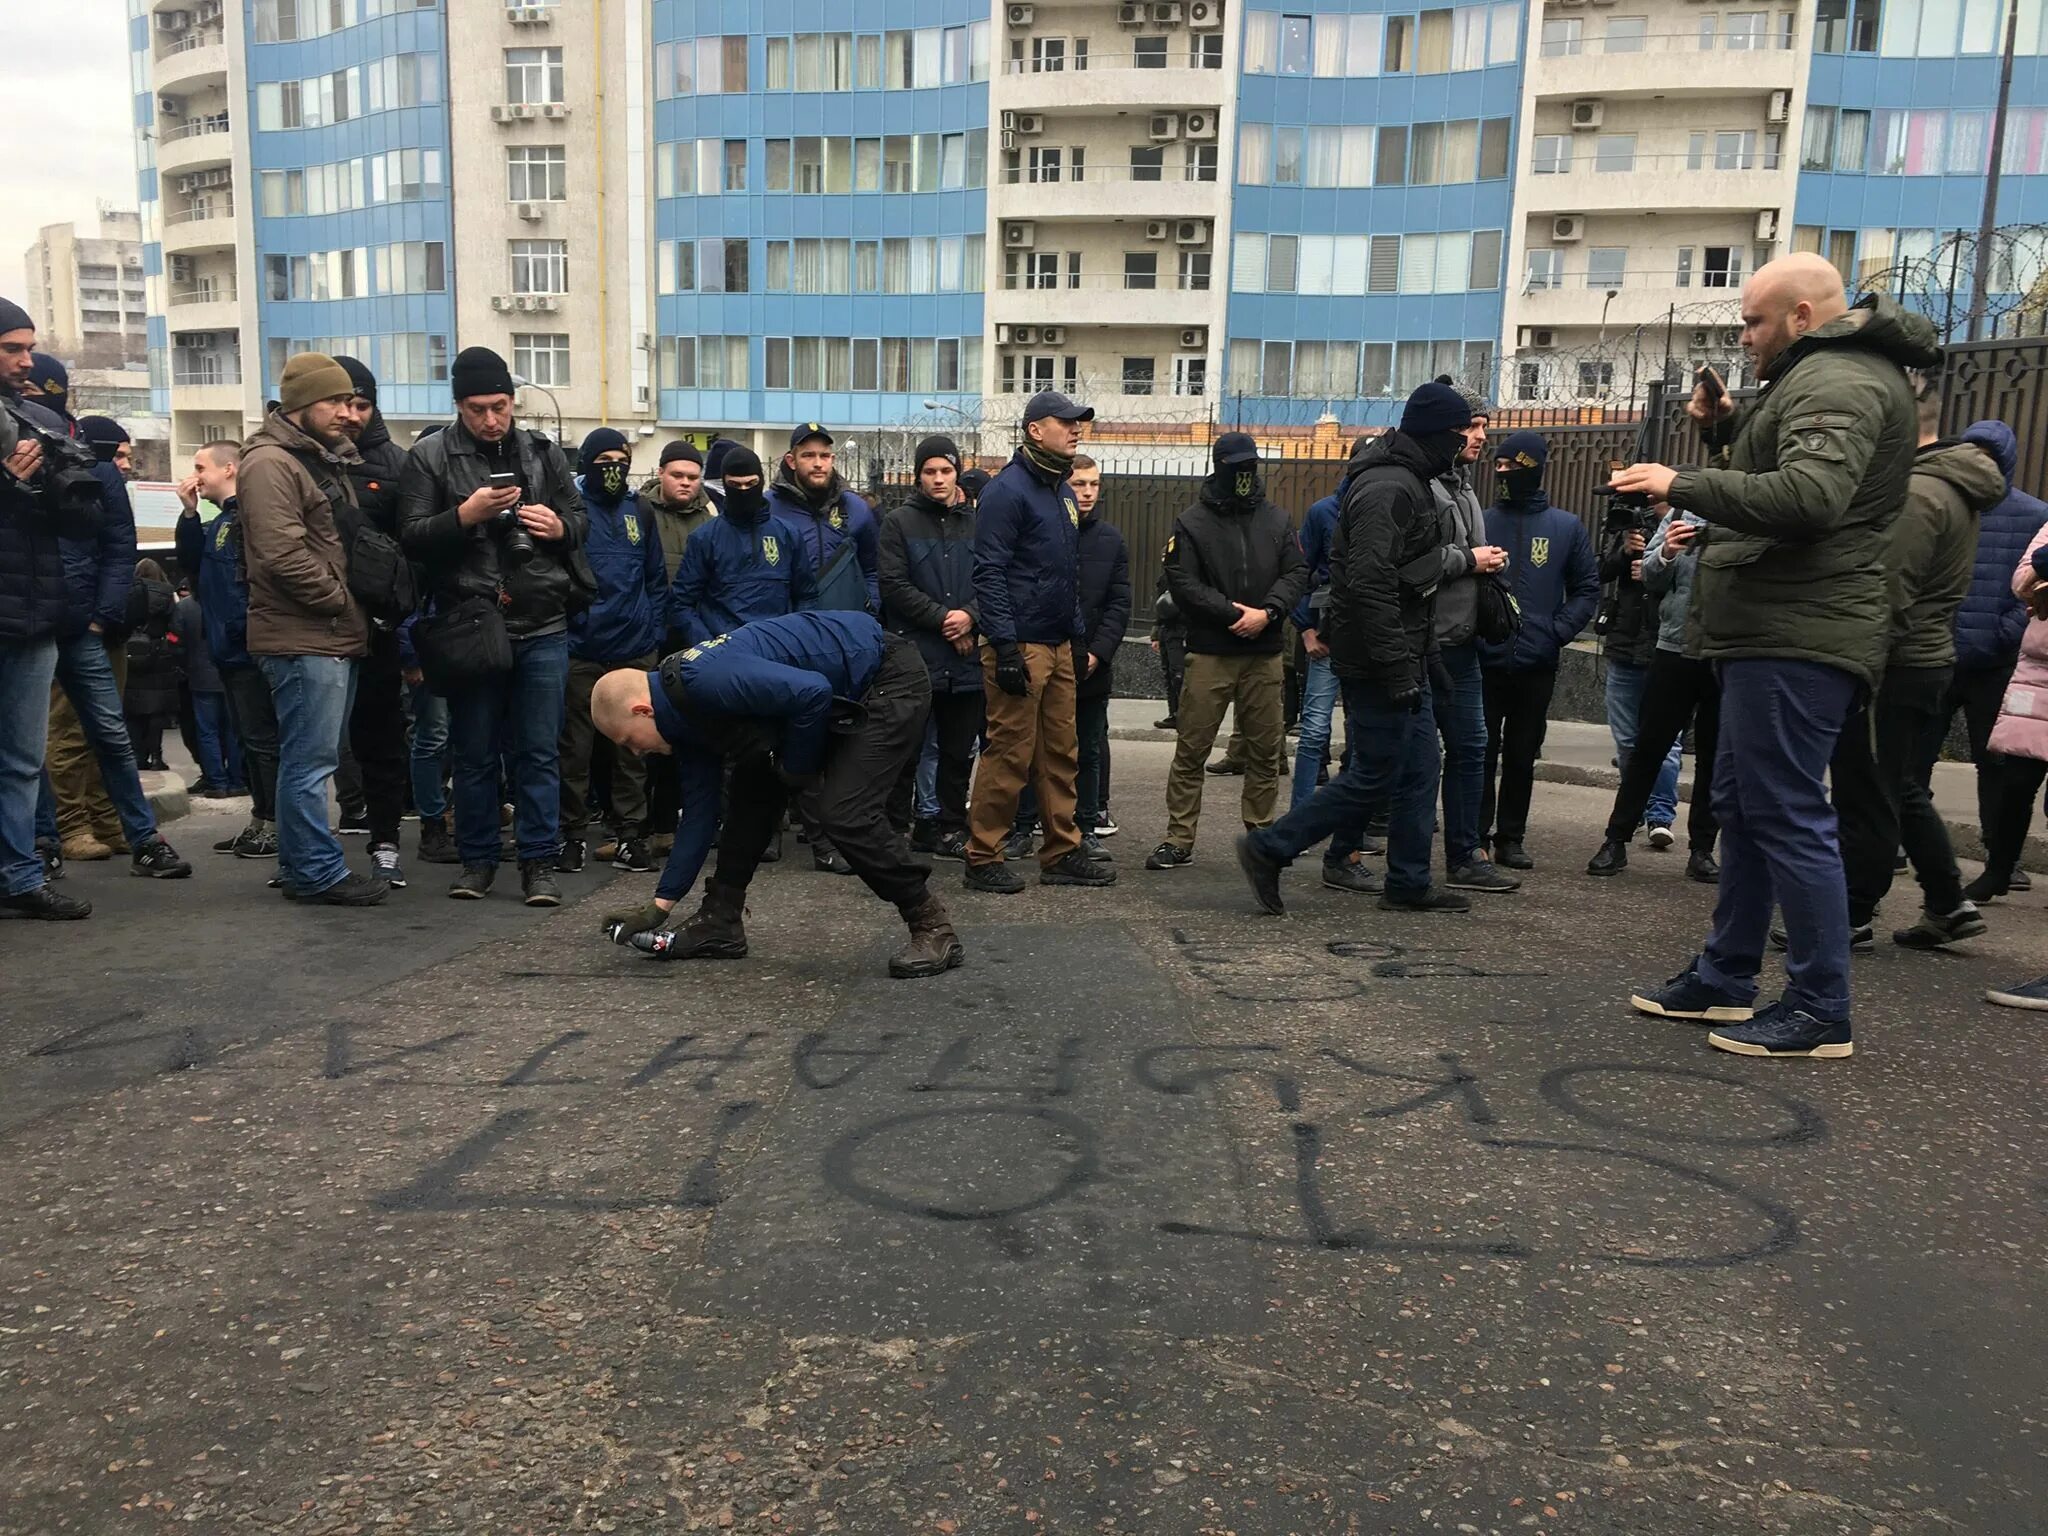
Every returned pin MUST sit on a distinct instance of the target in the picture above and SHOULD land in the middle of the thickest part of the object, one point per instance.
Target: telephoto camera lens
(518, 542)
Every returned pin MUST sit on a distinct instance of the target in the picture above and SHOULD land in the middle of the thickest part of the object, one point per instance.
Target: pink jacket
(2022, 728)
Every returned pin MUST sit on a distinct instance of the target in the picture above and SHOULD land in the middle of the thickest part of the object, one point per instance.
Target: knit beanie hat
(1481, 406)
(359, 375)
(479, 371)
(741, 462)
(600, 440)
(714, 460)
(1435, 408)
(937, 446)
(312, 376)
(682, 450)
(103, 435)
(14, 318)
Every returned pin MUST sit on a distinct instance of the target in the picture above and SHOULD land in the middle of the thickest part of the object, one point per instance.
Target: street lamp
(520, 381)
(971, 419)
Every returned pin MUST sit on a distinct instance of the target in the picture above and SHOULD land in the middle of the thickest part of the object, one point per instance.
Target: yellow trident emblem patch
(1073, 512)
(1539, 551)
(771, 549)
(632, 529)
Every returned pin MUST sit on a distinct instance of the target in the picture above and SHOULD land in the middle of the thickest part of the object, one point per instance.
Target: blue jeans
(47, 830)
(87, 677)
(1779, 723)
(26, 668)
(1625, 683)
(1312, 746)
(429, 750)
(220, 755)
(312, 695)
(520, 714)
(1393, 764)
(1461, 725)
(928, 774)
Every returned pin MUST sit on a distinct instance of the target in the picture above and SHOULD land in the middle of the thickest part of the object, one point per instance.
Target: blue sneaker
(1686, 996)
(1781, 1031)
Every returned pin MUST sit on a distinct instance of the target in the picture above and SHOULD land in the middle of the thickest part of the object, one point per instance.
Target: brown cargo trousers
(1251, 686)
(1032, 737)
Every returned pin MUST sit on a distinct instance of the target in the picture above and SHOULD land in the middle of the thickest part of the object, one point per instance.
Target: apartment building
(86, 291)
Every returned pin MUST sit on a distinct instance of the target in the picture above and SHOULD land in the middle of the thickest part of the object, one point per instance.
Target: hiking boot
(474, 883)
(1508, 854)
(437, 844)
(1263, 875)
(575, 853)
(232, 845)
(2032, 995)
(84, 848)
(1612, 858)
(1166, 856)
(829, 861)
(1226, 768)
(1480, 875)
(1077, 869)
(924, 836)
(1701, 867)
(1660, 837)
(1354, 878)
(996, 879)
(385, 866)
(1686, 996)
(158, 860)
(1167, 723)
(1862, 937)
(537, 883)
(1937, 930)
(1019, 845)
(351, 890)
(953, 845)
(934, 947)
(632, 855)
(45, 906)
(1781, 1031)
(1431, 898)
(355, 821)
(716, 930)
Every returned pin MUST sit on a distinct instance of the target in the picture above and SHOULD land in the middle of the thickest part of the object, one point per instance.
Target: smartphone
(1708, 381)
(503, 480)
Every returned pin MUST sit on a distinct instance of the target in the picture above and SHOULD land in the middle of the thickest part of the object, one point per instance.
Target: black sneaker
(158, 860)
(352, 890)
(45, 906)
(1936, 930)
(1262, 874)
(829, 862)
(1166, 856)
(996, 879)
(2031, 995)
(474, 883)
(537, 881)
(1092, 846)
(2019, 881)
(1509, 854)
(1169, 723)
(1480, 875)
(1862, 938)
(232, 845)
(924, 836)
(1701, 867)
(1354, 878)
(261, 844)
(1077, 869)
(1226, 768)
(355, 822)
(1019, 845)
(51, 850)
(1781, 1031)
(1431, 898)
(1986, 889)
(951, 845)
(1612, 858)
(437, 843)
(632, 855)
(1105, 827)
(575, 852)
(385, 866)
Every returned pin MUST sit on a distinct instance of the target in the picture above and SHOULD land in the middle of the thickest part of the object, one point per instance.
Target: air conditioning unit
(1010, 121)
(1701, 340)
(501, 302)
(1191, 232)
(1780, 107)
(173, 21)
(197, 341)
(1052, 335)
(546, 303)
(209, 10)
(170, 106)
(1165, 127)
(182, 268)
(1022, 15)
(528, 211)
(1003, 335)
(1168, 13)
(1534, 339)
(1158, 229)
(1130, 15)
(1205, 15)
(1767, 224)
(529, 15)
(522, 302)
(1195, 339)
(1199, 125)
(1587, 114)
(1732, 337)
(1019, 235)
(220, 176)
(1009, 138)
(554, 109)
(521, 110)
(1024, 335)
(1031, 122)
(501, 113)
(1568, 226)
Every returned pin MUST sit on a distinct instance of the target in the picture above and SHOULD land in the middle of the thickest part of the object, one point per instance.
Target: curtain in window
(1254, 153)
(1325, 157)
(1330, 35)
(1461, 149)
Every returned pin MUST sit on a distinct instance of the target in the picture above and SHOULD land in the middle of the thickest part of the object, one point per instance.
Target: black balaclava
(1235, 476)
(746, 507)
(1526, 453)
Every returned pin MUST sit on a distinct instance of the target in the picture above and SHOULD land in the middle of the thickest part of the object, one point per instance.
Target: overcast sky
(70, 139)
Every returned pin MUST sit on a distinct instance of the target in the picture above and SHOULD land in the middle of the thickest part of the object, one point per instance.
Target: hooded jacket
(1027, 558)
(211, 554)
(829, 520)
(1991, 619)
(1933, 548)
(737, 572)
(1794, 564)
(1105, 578)
(927, 571)
(629, 617)
(1464, 530)
(34, 593)
(1318, 527)
(439, 475)
(299, 602)
(1227, 550)
(99, 569)
(1385, 562)
(1669, 580)
(2022, 726)
(676, 522)
(1551, 573)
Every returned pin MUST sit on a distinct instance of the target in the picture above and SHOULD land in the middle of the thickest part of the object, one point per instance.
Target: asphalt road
(1158, 1216)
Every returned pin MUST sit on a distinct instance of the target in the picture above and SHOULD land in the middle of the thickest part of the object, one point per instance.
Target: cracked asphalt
(1158, 1216)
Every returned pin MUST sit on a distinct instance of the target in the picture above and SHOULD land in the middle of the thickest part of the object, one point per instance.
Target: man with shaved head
(1791, 604)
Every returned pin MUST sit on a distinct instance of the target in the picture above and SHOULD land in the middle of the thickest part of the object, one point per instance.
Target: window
(1397, 58)
(1190, 375)
(1141, 269)
(1562, 36)
(1048, 55)
(1138, 375)
(1505, 40)
(1552, 154)
(1281, 254)
(1721, 267)
(1254, 153)
(1748, 30)
(1546, 269)
(1294, 45)
(1605, 266)
(1486, 252)
(541, 357)
(533, 75)
(1852, 139)
(1433, 43)
(540, 266)
(1148, 164)
(1596, 378)
(1045, 163)
(1148, 52)
(1817, 143)
(1325, 157)
(1287, 142)
(1201, 162)
(1625, 34)
(1614, 152)
(1195, 267)
(1493, 149)
(536, 173)
(1468, 37)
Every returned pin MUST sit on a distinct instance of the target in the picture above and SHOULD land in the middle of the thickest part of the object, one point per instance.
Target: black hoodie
(1385, 560)
(1225, 551)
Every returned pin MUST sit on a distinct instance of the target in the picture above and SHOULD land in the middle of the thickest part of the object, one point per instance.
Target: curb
(168, 796)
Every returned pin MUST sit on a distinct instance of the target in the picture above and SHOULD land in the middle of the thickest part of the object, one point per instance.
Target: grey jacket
(1464, 530)
(1670, 581)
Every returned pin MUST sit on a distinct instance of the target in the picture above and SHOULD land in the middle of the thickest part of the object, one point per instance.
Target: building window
(1294, 45)
(1596, 379)
(536, 173)
(1148, 163)
(1201, 162)
(1195, 269)
(1551, 154)
(1139, 374)
(1191, 375)
(1563, 36)
(533, 76)
(1721, 266)
(1141, 269)
(1205, 50)
(541, 357)
(1605, 266)
(1546, 269)
(1614, 152)
(1626, 34)
(540, 266)
(1148, 52)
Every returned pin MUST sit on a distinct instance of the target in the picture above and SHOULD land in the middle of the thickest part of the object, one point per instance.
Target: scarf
(1053, 467)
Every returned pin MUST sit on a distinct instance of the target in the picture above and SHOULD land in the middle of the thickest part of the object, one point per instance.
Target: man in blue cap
(1385, 562)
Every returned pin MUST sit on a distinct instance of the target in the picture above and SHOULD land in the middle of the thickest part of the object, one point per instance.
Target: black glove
(1010, 674)
(1408, 697)
(620, 926)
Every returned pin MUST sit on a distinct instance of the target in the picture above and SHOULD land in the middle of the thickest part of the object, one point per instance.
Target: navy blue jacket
(211, 555)
(1318, 528)
(98, 571)
(1553, 575)
(927, 573)
(1105, 603)
(781, 674)
(630, 616)
(849, 517)
(736, 573)
(1991, 620)
(34, 597)
(1026, 559)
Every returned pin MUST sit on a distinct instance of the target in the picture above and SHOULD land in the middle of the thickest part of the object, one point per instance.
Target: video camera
(64, 489)
(1627, 511)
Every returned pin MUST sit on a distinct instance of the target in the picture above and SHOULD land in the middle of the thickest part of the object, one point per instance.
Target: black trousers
(2017, 781)
(1678, 692)
(865, 775)
(1977, 692)
(376, 765)
(1517, 719)
(958, 718)
(253, 712)
(1882, 774)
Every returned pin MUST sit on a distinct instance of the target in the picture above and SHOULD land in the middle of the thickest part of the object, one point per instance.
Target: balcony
(206, 380)
(1107, 192)
(1652, 183)
(1641, 297)
(205, 306)
(208, 225)
(184, 144)
(1670, 64)
(1110, 82)
(1106, 301)
(192, 60)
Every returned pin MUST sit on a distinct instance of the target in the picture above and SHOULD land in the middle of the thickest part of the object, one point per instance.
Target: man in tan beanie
(305, 630)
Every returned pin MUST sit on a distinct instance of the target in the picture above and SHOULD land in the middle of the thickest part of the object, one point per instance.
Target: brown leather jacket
(299, 602)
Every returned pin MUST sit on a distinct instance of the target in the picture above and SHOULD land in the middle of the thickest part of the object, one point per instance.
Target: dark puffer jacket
(1552, 574)
(376, 478)
(152, 685)
(1225, 551)
(100, 568)
(1933, 547)
(1991, 620)
(927, 571)
(1105, 603)
(1026, 556)
(1385, 562)
(828, 519)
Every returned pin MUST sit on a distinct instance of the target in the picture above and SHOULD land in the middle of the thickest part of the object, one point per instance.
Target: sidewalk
(1576, 752)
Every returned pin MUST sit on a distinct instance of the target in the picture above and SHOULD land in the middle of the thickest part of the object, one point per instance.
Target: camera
(65, 487)
(1627, 512)
(519, 546)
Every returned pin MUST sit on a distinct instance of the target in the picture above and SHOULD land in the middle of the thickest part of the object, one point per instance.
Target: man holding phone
(492, 511)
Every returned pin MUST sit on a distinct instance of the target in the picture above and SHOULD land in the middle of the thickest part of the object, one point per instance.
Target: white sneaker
(1661, 838)
(385, 866)
(1105, 827)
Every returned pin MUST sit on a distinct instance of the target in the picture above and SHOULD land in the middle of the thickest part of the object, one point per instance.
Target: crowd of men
(552, 665)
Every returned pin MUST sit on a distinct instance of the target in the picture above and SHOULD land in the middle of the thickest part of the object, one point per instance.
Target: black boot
(1612, 858)
(437, 845)
(715, 931)
(537, 883)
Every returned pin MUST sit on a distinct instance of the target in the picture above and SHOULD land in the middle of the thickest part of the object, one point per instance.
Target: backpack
(380, 578)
